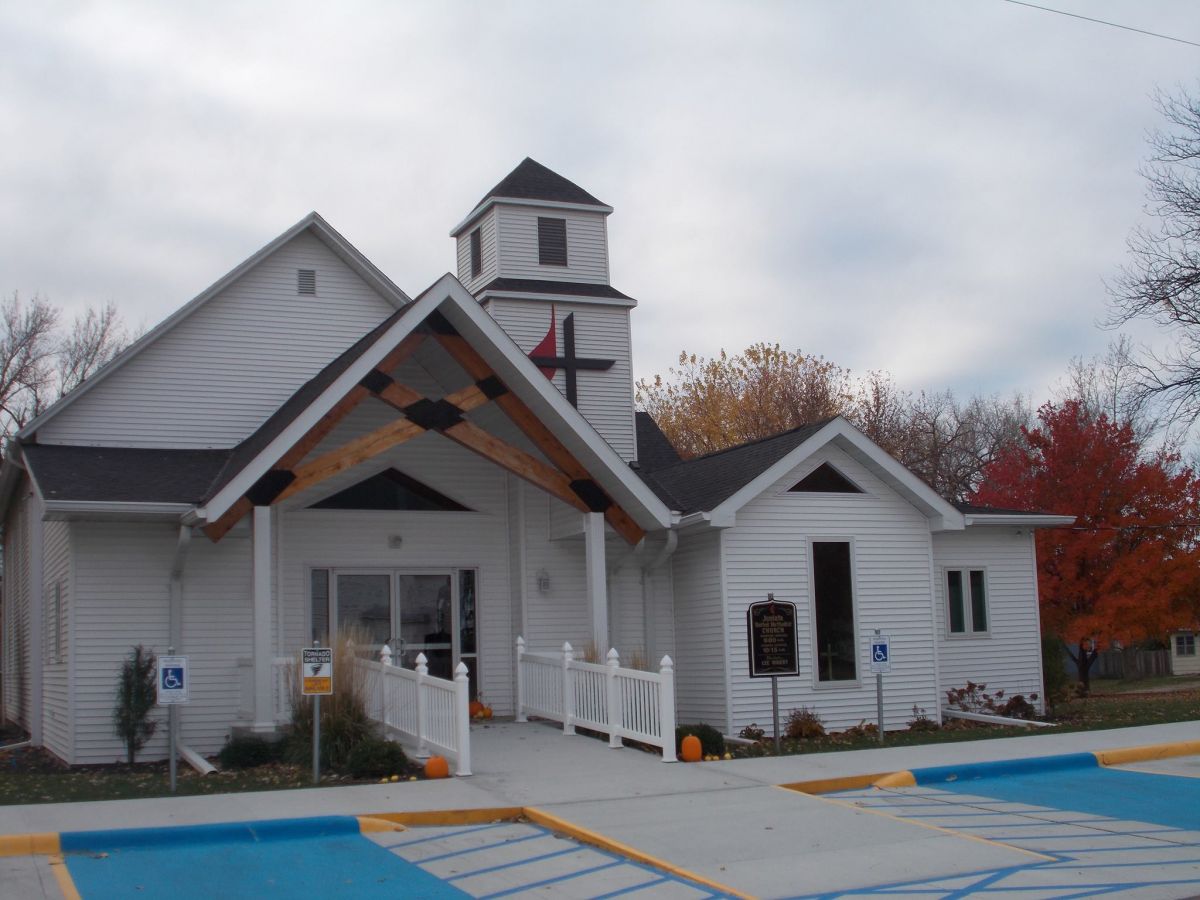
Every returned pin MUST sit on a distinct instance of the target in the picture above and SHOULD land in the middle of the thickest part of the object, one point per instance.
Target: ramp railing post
(422, 727)
(521, 679)
(568, 657)
(666, 707)
(462, 720)
(613, 714)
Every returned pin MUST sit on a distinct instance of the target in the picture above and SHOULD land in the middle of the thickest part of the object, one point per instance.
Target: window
(1185, 645)
(393, 490)
(824, 479)
(306, 281)
(966, 599)
(552, 241)
(476, 253)
(833, 607)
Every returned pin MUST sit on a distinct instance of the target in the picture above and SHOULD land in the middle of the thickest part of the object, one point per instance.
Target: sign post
(771, 636)
(881, 662)
(172, 683)
(316, 678)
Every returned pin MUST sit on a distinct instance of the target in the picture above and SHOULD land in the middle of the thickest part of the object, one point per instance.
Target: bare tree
(27, 349)
(1161, 283)
(40, 363)
(1112, 384)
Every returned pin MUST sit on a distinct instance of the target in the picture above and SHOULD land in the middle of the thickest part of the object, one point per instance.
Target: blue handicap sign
(879, 653)
(172, 678)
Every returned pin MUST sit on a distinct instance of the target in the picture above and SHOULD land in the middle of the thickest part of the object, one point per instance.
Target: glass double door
(430, 612)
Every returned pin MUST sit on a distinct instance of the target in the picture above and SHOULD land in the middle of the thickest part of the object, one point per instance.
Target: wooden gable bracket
(579, 480)
(294, 454)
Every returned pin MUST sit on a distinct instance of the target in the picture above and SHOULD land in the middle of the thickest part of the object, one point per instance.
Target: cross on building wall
(569, 362)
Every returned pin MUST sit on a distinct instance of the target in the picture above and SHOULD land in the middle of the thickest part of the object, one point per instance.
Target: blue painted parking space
(336, 857)
(1098, 831)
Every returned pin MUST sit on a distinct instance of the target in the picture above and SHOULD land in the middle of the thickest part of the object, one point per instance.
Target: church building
(304, 447)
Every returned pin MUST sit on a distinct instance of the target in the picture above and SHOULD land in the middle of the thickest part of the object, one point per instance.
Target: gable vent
(306, 281)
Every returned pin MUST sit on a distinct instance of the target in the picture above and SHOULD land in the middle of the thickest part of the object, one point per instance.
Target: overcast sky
(936, 188)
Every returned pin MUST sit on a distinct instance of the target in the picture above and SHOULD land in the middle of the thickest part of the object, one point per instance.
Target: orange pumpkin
(475, 708)
(487, 712)
(437, 767)
(690, 749)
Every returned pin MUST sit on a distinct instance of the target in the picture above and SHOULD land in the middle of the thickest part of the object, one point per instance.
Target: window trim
(968, 631)
(813, 650)
(1181, 642)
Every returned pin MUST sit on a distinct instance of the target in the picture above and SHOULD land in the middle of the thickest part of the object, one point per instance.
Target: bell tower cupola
(534, 252)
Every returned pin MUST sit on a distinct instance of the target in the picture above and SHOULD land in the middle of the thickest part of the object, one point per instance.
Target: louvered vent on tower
(306, 281)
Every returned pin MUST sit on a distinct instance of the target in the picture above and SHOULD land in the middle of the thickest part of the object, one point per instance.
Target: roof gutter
(63, 510)
(1024, 520)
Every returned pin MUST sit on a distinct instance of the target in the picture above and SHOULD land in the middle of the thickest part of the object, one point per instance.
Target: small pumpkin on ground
(437, 767)
(691, 751)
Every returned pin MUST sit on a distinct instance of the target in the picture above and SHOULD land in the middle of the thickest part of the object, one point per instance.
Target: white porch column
(597, 588)
(264, 702)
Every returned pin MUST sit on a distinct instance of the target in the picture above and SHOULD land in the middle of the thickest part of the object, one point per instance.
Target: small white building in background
(304, 446)
(1182, 646)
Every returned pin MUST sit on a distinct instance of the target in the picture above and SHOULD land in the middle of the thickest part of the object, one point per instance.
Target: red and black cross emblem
(545, 358)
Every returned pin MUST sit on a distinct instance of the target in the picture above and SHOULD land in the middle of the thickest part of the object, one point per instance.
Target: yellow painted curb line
(1142, 754)
(62, 875)
(482, 816)
(541, 817)
(43, 844)
(829, 785)
(896, 779)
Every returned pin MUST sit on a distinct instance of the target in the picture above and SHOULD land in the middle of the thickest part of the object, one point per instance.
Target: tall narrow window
(833, 601)
(320, 606)
(476, 253)
(552, 241)
(966, 601)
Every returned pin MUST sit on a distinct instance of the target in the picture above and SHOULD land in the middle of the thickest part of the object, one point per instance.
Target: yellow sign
(316, 666)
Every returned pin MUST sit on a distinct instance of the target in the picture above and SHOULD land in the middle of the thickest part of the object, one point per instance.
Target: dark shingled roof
(654, 451)
(123, 474)
(533, 181)
(537, 286)
(703, 483)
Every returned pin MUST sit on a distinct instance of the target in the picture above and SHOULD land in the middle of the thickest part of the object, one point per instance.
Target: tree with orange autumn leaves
(1129, 569)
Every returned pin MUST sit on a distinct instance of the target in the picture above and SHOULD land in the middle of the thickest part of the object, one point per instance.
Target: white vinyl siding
(587, 245)
(487, 245)
(218, 374)
(700, 663)
(1184, 663)
(55, 688)
(17, 653)
(767, 551)
(1009, 655)
(605, 398)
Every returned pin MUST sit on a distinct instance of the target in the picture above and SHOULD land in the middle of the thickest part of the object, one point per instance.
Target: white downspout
(175, 633)
(649, 628)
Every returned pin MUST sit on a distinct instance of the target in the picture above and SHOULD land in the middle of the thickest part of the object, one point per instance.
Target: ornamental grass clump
(344, 719)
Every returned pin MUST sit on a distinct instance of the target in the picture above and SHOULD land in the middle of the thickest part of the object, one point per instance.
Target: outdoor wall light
(543, 581)
(394, 541)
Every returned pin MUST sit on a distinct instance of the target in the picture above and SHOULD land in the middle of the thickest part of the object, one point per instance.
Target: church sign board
(771, 634)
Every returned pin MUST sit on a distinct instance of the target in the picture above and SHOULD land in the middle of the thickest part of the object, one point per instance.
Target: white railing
(424, 712)
(624, 703)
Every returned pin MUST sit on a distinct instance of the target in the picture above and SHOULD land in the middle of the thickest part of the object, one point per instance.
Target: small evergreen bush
(136, 695)
(712, 743)
(1055, 683)
(248, 752)
(376, 757)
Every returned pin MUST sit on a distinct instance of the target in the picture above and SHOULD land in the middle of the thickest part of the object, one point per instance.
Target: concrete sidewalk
(725, 821)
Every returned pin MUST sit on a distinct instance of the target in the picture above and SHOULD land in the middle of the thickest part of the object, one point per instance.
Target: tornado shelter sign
(771, 634)
(316, 665)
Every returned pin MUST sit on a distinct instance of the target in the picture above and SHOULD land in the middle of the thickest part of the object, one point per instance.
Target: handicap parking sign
(881, 653)
(172, 679)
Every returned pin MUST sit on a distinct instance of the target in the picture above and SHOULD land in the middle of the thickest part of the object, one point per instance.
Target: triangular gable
(941, 514)
(825, 479)
(271, 468)
(390, 489)
(312, 223)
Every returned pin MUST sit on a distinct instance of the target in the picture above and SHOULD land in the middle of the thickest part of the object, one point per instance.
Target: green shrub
(249, 751)
(376, 757)
(804, 724)
(712, 743)
(136, 696)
